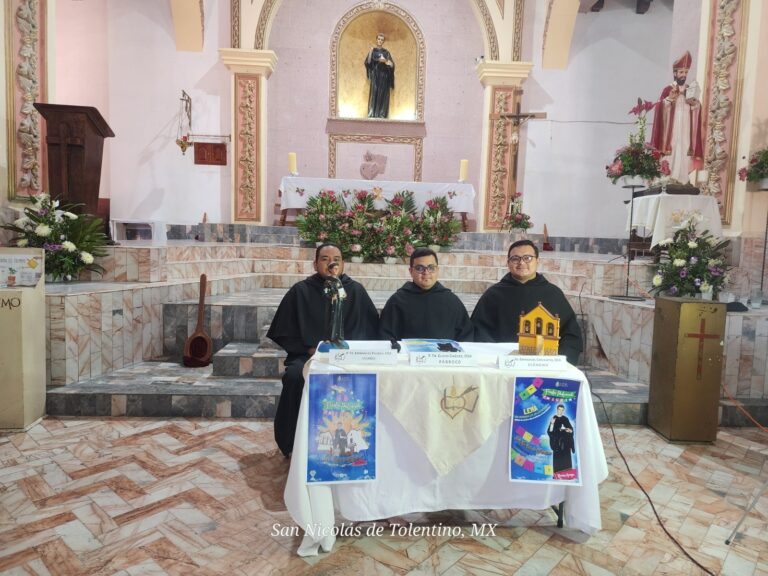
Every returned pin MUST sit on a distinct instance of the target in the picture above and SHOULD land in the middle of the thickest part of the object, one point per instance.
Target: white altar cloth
(406, 481)
(297, 189)
(665, 213)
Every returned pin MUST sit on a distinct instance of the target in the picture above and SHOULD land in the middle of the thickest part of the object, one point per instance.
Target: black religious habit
(382, 79)
(497, 314)
(300, 323)
(561, 442)
(435, 313)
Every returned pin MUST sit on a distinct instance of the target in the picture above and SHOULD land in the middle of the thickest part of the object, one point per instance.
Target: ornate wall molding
(234, 22)
(517, 48)
(336, 38)
(247, 131)
(722, 114)
(490, 30)
(25, 62)
(502, 181)
(259, 41)
(416, 142)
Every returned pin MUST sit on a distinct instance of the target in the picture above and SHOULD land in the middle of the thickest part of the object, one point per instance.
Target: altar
(420, 474)
(296, 190)
(663, 214)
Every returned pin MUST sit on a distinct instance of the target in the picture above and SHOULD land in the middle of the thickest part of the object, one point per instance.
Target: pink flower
(355, 233)
(743, 174)
(665, 168)
(397, 201)
(321, 217)
(409, 248)
(322, 236)
(407, 231)
(356, 248)
(362, 195)
(390, 250)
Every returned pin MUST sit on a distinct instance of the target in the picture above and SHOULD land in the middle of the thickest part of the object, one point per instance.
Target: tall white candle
(463, 169)
(292, 163)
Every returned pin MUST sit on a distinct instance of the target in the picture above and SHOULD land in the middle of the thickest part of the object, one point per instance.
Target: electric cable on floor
(647, 496)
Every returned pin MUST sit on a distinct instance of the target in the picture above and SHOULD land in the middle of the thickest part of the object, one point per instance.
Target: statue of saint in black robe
(381, 74)
(435, 313)
(299, 324)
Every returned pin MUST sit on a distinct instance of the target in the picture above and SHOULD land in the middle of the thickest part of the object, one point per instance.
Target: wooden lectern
(75, 137)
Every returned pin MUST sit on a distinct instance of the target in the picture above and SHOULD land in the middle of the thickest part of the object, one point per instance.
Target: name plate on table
(535, 363)
(381, 357)
(444, 359)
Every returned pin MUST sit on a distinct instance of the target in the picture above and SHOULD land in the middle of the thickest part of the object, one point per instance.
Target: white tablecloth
(407, 482)
(296, 190)
(663, 214)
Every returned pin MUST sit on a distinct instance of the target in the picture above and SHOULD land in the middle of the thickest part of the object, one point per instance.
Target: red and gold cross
(701, 336)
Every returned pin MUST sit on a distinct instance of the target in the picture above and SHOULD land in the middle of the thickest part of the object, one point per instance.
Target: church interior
(196, 115)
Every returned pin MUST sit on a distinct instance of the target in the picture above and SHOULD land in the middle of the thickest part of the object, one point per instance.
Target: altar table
(665, 213)
(296, 190)
(408, 482)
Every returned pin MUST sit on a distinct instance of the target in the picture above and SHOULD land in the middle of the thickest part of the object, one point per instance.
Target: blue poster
(342, 428)
(542, 437)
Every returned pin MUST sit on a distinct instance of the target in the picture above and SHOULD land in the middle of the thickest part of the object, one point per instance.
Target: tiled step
(166, 389)
(248, 360)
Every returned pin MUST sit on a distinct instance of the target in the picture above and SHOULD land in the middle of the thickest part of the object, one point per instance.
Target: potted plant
(321, 219)
(757, 169)
(11, 279)
(516, 219)
(438, 226)
(71, 242)
(692, 264)
(638, 162)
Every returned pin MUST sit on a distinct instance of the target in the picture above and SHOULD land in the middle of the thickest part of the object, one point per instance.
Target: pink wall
(298, 89)
(81, 63)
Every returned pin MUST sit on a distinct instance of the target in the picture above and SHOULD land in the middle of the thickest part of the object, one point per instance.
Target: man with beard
(424, 308)
(300, 323)
(677, 124)
(497, 314)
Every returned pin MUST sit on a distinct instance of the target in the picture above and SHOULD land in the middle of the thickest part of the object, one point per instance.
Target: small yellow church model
(539, 332)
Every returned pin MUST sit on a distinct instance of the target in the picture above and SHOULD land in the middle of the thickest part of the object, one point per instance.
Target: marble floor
(195, 496)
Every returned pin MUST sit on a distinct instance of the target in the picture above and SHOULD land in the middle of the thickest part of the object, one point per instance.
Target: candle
(292, 163)
(463, 169)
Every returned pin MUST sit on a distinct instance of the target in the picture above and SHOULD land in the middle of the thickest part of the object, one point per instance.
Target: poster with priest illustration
(342, 428)
(542, 436)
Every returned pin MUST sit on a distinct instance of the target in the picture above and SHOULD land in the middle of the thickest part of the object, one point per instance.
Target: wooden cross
(518, 118)
(701, 336)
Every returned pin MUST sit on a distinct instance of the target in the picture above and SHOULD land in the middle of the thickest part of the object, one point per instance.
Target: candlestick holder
(626, 297)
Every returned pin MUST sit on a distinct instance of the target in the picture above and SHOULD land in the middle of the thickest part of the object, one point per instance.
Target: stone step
(166, 390)
(248, 360)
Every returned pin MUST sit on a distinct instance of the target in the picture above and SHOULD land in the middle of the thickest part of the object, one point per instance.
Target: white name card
(381, 357)
(445, 359)
(535, 363)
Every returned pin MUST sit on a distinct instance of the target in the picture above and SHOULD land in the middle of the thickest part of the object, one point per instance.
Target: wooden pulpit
(75, 143)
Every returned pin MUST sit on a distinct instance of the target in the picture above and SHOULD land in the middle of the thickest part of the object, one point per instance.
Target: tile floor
(192, 496)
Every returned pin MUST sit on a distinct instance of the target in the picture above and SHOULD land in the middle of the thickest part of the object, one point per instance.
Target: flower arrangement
(320, 221)
(438, 225)
(516, 219)
(638, 158)
(691, 263)
(71, 242)
(757, 169)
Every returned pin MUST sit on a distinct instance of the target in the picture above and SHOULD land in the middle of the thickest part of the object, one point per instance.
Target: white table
(296, 190)
(406, 480)
(665, 213)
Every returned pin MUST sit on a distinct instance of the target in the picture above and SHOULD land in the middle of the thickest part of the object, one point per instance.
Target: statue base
(328, 345)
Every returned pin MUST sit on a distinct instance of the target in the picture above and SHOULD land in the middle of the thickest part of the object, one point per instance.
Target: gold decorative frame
(336, 38)
(260, 39)
(246, 154)
(25, 27)
(416, 142)
(517, 48)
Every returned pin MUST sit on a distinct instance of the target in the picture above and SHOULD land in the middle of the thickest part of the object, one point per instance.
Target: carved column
(502, 81)
(250, 70)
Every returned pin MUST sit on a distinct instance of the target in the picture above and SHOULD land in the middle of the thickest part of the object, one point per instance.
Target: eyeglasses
(528, 258)
(421, 269)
